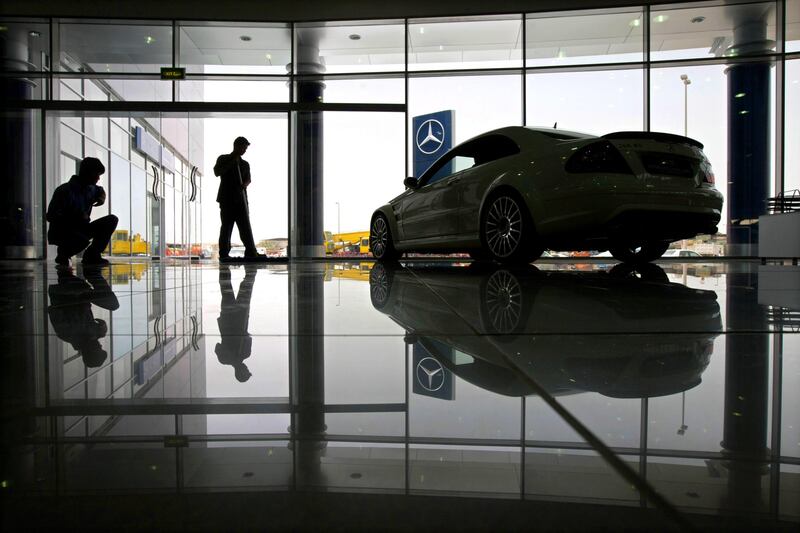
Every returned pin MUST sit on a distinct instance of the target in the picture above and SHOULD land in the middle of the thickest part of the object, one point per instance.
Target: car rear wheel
(380, 239)
(507, 232)
(639, 253)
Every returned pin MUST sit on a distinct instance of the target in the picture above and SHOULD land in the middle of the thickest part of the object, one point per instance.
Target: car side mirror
(411, 182)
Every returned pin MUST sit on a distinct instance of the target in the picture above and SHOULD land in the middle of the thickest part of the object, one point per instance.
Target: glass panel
(792, 132)
(234, 91)
(701, 110)
(350, 47)
(466, 43)
(355, 186)
(26, 44)
(593, 102)
(465, 469)
(555, 39)
(96, 128)
(120, 185)
(208, 48)
(576, 475)
(473, 112)
(130, 47)
(268, 159)
(790, 432)
(365, 90)
(238, 464)
(713, 31)
(792, 26)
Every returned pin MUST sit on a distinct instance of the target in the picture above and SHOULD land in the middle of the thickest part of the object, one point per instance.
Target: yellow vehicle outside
(351, 271)
(342, 243)
(121, 244)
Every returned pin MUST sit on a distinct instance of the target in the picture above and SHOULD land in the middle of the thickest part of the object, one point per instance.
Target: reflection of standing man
(234, 177)
(234, 316)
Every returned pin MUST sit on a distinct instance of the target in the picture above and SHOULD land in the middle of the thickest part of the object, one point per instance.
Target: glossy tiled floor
(674, 387)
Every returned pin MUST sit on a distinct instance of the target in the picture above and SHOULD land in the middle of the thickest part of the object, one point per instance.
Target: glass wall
(676, 68)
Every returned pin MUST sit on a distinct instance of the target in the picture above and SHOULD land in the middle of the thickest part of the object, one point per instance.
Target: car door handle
(451, 181)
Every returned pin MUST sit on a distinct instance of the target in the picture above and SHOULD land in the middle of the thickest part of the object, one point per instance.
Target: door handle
(155, 182)
(194, 184)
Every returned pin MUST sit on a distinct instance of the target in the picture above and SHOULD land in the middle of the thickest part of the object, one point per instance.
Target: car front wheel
(639, 253)
(507, 232)
(380, 239)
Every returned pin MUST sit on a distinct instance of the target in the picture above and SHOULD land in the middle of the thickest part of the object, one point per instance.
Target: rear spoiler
(654, 136)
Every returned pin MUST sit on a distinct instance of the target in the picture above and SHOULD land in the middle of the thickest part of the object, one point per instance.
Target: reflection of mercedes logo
(430, 136)
(430, 374)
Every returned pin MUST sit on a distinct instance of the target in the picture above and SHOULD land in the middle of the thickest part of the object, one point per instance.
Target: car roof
(522, 134)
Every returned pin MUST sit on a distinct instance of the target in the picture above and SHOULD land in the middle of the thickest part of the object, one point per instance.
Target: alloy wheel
(379, 237)
(503, 229)
(503, 299)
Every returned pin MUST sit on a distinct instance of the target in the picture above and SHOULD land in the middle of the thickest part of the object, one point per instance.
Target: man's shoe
(225, 259)
(95, 261)
(254, 255)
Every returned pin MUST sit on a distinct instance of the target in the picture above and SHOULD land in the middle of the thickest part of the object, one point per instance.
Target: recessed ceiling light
(661, 18)
(635, 23)
(149, 40)
(698, 20)
(245, 38)
(421, 29)
(269, 57)
(34, 33)
(354, 37)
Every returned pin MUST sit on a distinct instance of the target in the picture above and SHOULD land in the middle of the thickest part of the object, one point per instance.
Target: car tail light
(598, 157)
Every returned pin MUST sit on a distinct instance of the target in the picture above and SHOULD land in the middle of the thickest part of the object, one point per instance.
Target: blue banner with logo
(432, 138)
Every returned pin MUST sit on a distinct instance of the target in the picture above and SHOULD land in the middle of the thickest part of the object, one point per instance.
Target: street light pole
(686, 82)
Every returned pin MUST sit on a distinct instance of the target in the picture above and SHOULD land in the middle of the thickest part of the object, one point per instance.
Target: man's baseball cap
(241, 140)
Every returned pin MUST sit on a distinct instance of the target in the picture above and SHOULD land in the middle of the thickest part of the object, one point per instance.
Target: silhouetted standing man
(69, 215)
(234, 177)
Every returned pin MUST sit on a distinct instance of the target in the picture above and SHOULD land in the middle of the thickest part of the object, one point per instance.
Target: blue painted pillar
(749, 135)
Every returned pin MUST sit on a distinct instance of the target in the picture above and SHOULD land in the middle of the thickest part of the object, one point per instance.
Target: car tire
(646, 252)
(381, 277)
(507, 232)
(380, 239)
(505, 301)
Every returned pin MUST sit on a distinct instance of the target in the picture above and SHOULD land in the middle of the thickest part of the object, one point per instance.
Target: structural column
(307, 207)
(745, 417)
(17, 217)
(749, 95)
(307, 371)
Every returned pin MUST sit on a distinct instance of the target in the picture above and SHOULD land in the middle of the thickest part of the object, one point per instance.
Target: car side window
(478, 152)
(456, 164)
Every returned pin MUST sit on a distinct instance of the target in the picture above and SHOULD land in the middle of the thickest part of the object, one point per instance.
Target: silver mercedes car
(509, 194)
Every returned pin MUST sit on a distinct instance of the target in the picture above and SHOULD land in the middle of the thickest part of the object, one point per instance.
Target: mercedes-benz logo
(430, 374)
(430, 136)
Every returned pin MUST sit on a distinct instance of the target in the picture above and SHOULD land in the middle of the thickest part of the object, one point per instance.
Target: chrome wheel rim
(379, 284)
(503, 227)
(504, 301)
(379, 237)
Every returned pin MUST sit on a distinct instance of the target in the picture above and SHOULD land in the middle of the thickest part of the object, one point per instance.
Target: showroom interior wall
(597, 71)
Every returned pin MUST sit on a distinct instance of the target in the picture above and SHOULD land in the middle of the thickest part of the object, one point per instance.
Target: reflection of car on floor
(627, 332)
(681, 253)
(510, 193)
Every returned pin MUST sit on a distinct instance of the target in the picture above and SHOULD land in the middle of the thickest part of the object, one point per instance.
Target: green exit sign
(173, 73)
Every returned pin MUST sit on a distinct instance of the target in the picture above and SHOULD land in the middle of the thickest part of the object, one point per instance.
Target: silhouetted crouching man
(234, 317)
(69, 215)
(234, 177)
